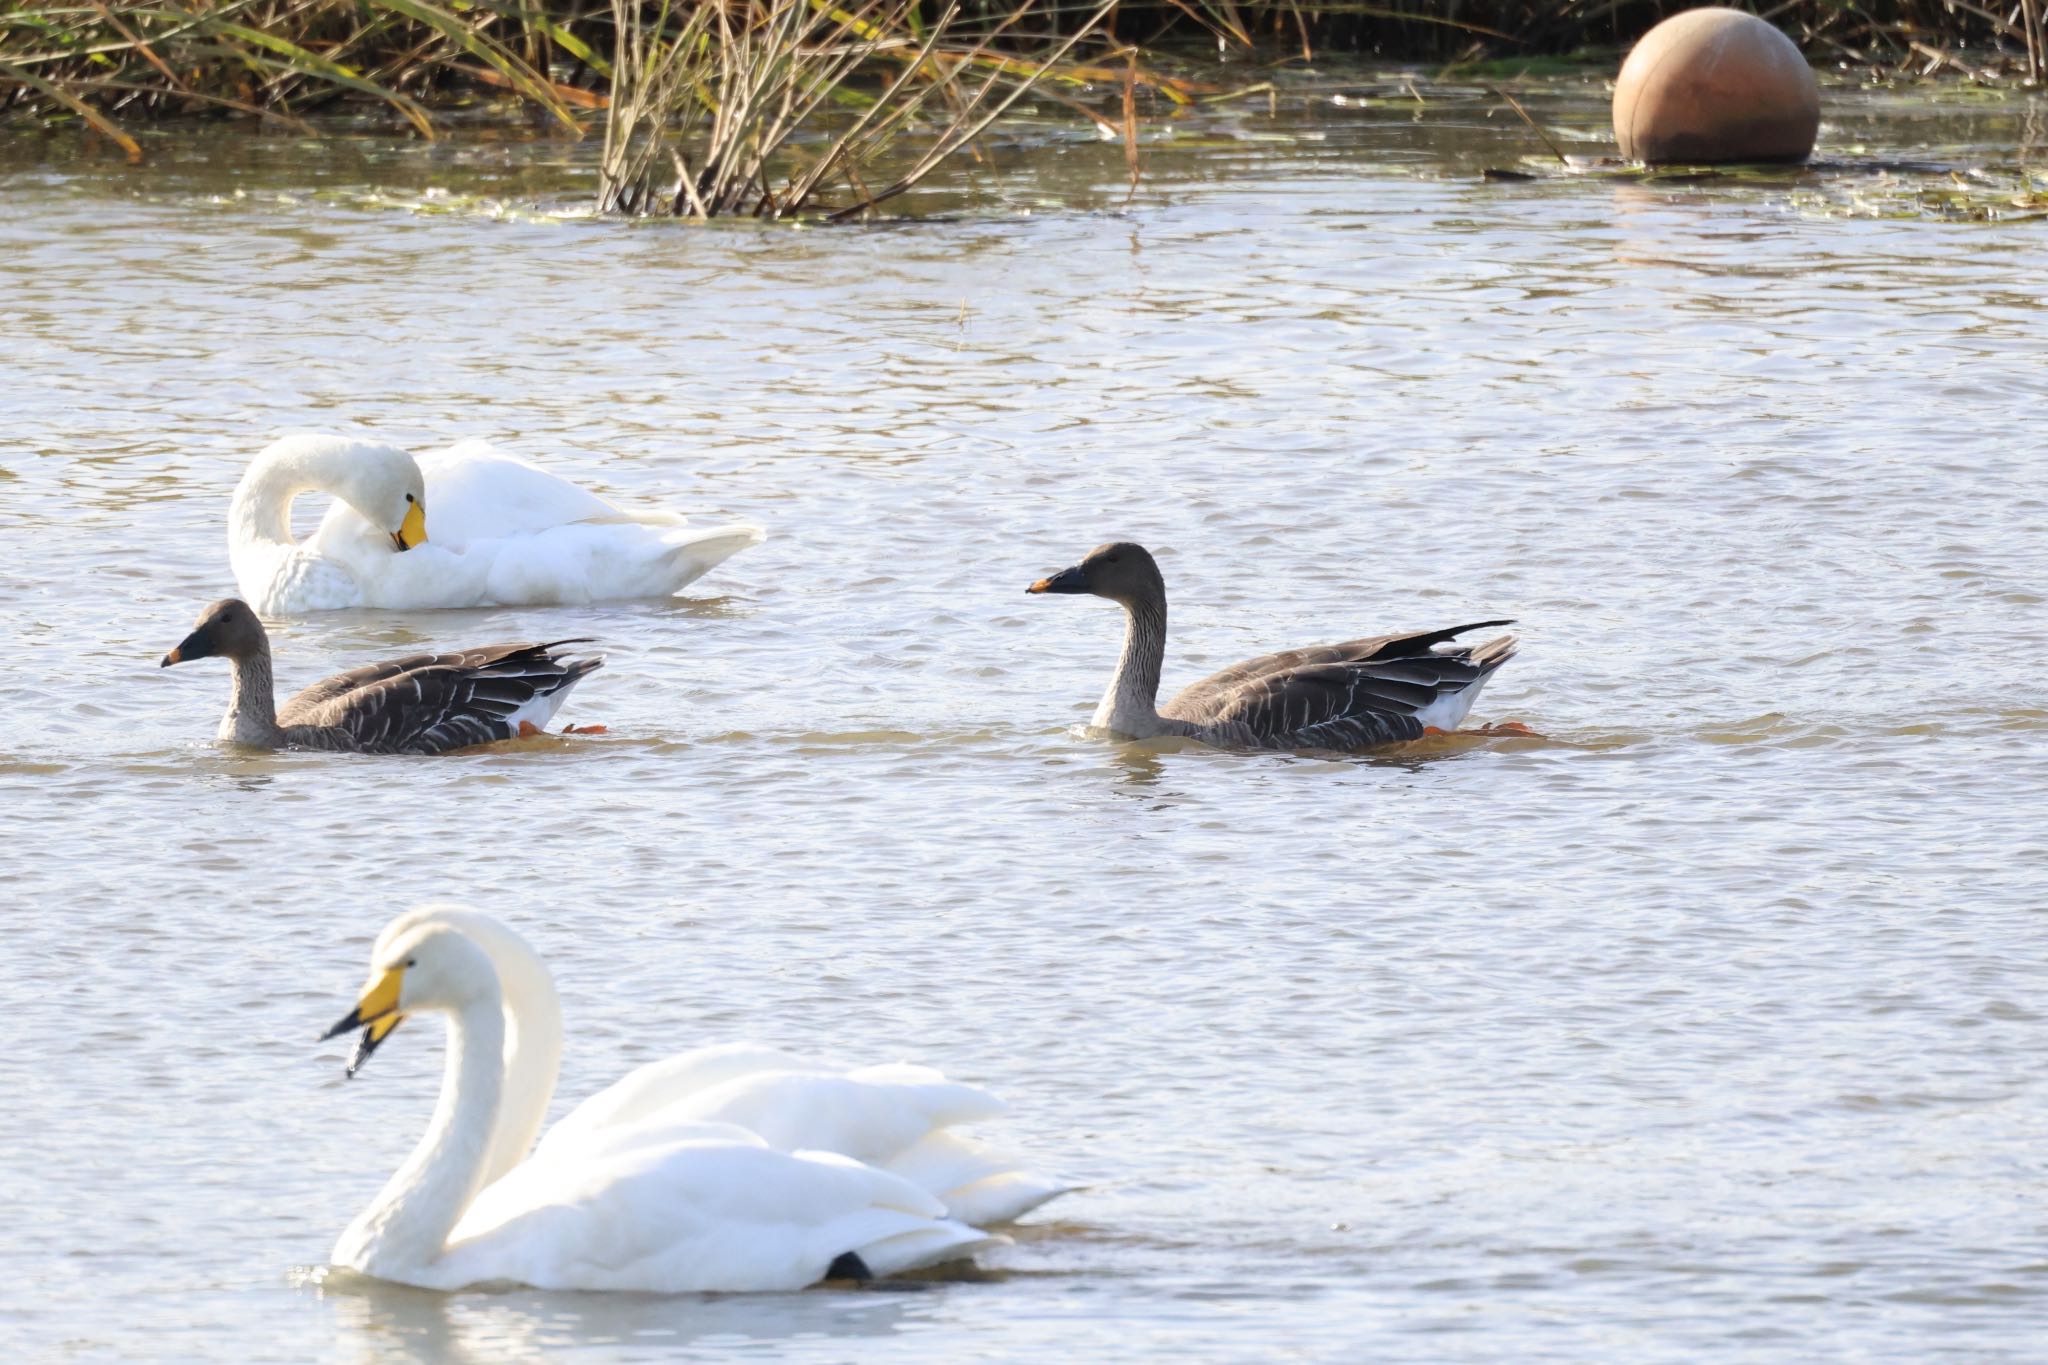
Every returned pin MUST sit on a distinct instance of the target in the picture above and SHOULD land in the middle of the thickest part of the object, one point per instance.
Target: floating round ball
(1716, 85)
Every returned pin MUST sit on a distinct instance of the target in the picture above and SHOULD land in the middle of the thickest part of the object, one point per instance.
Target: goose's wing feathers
(709, 1209)
(430, 703)
(1380, 690)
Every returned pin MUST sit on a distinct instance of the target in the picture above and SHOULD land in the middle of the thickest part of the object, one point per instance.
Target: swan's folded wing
(646, 1090)
(704, 1214)
(436, 702)
(867, 1118)
(477, 492)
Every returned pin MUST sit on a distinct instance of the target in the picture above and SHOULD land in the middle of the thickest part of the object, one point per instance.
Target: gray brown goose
(1360, 694)
(421, 704)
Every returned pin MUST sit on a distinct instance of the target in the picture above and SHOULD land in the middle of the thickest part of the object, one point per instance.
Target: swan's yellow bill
(376, 1014)
(413, 530)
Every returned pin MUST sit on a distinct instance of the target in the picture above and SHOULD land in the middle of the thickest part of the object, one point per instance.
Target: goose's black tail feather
(1408, 646)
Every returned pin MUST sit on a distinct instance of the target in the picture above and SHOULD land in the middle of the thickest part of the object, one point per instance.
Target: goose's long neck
(252, 706)
(533, 1059)
(1131, 705)
(405, 1229)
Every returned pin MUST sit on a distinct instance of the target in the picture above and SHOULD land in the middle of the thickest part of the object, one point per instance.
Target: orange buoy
(1716, 85)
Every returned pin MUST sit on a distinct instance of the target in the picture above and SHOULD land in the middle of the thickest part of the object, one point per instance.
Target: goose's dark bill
(376, 1014)
(1066, 580)
(198, 645)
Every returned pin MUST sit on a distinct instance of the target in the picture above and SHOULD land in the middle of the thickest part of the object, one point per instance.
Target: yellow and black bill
(413, 530)
(376, 1014)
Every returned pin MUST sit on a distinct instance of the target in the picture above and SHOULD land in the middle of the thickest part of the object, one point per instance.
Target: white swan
(464, 527)
(896, 1117)
(671, 1203)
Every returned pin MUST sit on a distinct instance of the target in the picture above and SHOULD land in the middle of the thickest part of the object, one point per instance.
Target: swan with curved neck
(892, 1117)
(672, 1207)
(381, 484)
(503, 532)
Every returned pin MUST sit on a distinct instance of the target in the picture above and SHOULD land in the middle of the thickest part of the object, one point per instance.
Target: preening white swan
(468, 526)
(679, 1198)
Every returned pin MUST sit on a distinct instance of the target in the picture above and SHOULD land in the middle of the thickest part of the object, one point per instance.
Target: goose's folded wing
(434, 702)
(1216, 697)
(1339, 705)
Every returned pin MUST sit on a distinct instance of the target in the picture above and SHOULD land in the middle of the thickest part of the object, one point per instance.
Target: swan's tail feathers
(977, 1184)
(1003, 1198)
(693, 553)
(943, 1103)
(934, 1243)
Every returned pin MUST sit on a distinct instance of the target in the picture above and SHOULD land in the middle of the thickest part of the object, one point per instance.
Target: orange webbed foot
(585, 729)
(527, 729)
(1508, 727)
(1432, 730)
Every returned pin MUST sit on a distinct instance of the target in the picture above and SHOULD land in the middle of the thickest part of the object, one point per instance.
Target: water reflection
(383, 1321)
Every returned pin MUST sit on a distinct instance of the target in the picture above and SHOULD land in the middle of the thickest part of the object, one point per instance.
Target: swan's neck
(405, 1229)
(261, 513)
(1131, 705)
(252, 706)
(533, 1060)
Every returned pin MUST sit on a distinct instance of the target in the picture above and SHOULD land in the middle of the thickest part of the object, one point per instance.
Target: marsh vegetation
(772, 108)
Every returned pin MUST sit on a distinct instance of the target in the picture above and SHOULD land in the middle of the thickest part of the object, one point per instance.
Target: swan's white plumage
(708, 1210)
(667, 1184)
(500, 532)
(895, 1116)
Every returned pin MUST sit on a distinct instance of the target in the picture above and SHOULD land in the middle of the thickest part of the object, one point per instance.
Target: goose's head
(429, 969)
(1121, 571)
(386, 486)
(228, 629)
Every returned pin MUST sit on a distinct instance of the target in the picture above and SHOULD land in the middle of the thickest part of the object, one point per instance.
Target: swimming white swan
(667, 1204)
(468, 526)
(897, 1117)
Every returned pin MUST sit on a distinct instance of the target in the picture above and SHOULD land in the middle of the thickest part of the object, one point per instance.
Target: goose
(1361, 694)
(505, 533)
(895, 1117)
(671, 1205)
(421, 704)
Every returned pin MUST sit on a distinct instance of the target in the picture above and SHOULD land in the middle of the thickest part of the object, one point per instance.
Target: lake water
(1710, 1024)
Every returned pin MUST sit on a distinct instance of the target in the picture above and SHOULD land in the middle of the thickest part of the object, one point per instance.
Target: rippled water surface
(1710, 1023)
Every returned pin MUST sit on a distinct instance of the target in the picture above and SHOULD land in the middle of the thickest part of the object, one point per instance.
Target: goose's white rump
(724, 1169)
(498, 532)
